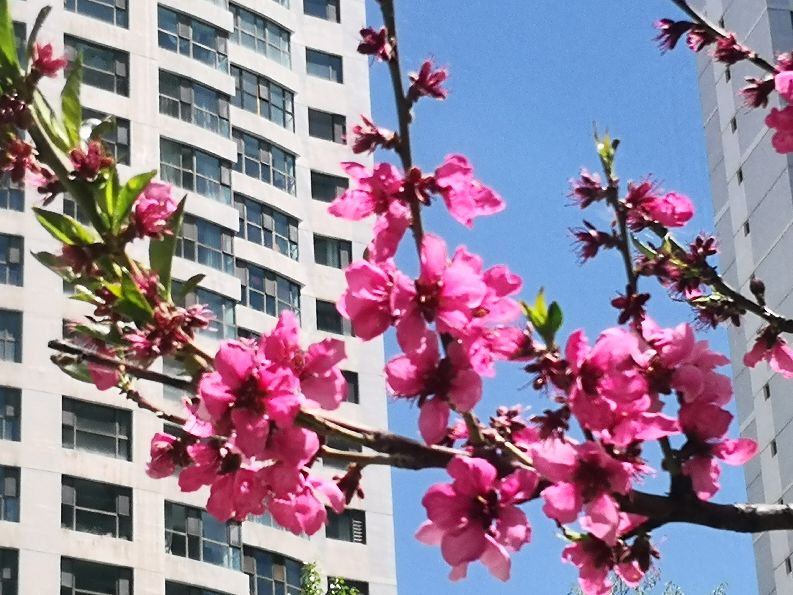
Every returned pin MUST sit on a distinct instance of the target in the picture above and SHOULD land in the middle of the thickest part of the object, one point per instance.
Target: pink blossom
(376, 43)
(705, 425)
(152, 210)
(165, 451)
(321, 381)
(439, 383)
(465, 196)
(236, 494)
(670, 32)
(670, 210)
(369, 136)
(783, 83)
(43, 61)
(782, 123)
(595, 559)
(205, 460)
(476, 516)
(428, 82)
(367, 301)
(775, 351)
(302, 511)
(584, 477)
(729, 51)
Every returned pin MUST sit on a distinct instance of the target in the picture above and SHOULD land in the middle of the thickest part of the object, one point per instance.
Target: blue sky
(528, 79)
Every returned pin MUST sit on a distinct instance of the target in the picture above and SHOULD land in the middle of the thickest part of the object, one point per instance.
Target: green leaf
(643, 248)
(132, 302)
(538, 313)
(105, 127)
(34, 32)
(70, 102)
(8, 51)
(546, 320)
(555, 319)
(161, 252)
(76, 369)
(49, 123)
(187, 287)
(127, 196)
(63, 228)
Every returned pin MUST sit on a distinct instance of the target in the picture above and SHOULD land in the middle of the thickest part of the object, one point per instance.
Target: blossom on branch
(465, 196)
(152, 210)
(427, 82)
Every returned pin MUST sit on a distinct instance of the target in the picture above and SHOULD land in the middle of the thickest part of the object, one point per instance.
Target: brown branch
(741, 518)
(719, 32)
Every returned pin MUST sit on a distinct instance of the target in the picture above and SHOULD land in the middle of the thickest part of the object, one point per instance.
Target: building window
(94, 507)
(264, 161)
(773, 448)
(332, 252)
(258, 94)
(21, 40)
(81, 577)
(246, 333)
(109, 11)
(353, 394)
(206, 243)
(329, 319)
(727, 74)
(96, 428)
(350, 526)
(10, 403)
(11, 250)
(195, 103)
(261, 35)
(73, 210)
(766, 391)
(746, 228)
(182, 589)
(224, 326)
(12, 196)
(739, 175)
(192, 169)
(180, 33)
(324, 65)
(270, 573)
(103, 67)
(9, 497)
(327, 126)
(353, 587)
(10, 336)
(733, 124)
(116, 139)
(327, 188)
(266, 291)
(323, 9)
(267, 227)
(343, 445)
(9, 571)
(194, 533)
(788, 565)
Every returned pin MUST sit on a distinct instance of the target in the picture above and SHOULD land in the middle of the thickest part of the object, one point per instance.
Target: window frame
(320, 179)
(12, 329)
(350, 517)
(9, 570)
(118, 140)
(120, 75)
(189, 168)
(318, 61)
(223, 250)
(283, 572)
(72, 509)
(12, 196)
(75, 410)
(266, 37)
(327, 126)
(69, 578)
(185, 41)
(353, 387)
(12, 260)
(257, 155)
(344, 327)
(10, 413)
(10, 490)
(255, 92)
(331, 12)
(270, 293)
(336, 252)
(194, 535)
(225, 306)
(119, 13)
(188, 109)
(270, 220)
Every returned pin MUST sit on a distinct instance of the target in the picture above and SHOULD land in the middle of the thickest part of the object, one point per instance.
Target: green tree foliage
(311, 583)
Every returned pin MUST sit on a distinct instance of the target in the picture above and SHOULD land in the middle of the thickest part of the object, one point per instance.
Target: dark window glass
(10, 336)
(332, 252)
(326, 187)
(117, 138)
(180, 33)
(12, 196)
(193, 102)
(110, 11)
(270, 573)
(266, 291)
(258, 94)
(81, 577)
(323, 9)
(103, 67)
(329, 319)
(97, 428)
(265, 161)
(255, 32)
(194, 533)
(10, 403)
(350, 525)
(224, 326)
(353, 394)
(267, 227)
(192, 169)
(207, 243)
(172, 588)
(73, 210)
(324, 65)
(327, 126)
(9, 494)
(11, 250)
(9, 571)
(94, 507)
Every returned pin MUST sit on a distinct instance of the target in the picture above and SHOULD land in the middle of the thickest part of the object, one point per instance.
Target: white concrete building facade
(243, 105)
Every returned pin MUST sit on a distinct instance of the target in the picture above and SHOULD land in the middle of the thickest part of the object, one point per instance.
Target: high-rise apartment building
(243, 105)
(752, 188)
